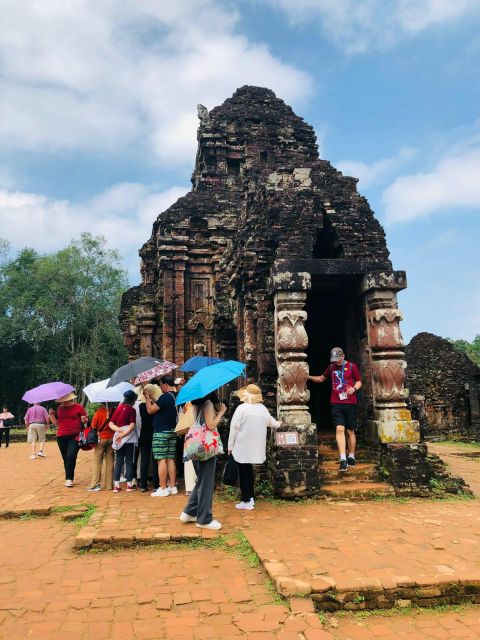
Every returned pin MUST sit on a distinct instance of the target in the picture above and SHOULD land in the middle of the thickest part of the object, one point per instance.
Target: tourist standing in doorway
(70, 419)
(164, 443)
(6, 421)
(36, 422)
(345, 379)
(248, 439)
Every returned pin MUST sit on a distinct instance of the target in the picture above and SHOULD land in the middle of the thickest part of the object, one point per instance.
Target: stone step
(362, 471)
(356, 490)
(330, 454)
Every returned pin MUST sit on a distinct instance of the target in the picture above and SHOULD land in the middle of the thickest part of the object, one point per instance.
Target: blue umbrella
(210, 378)
(198, 362)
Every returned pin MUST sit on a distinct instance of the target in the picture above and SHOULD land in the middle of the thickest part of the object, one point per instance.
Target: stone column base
(395, 430)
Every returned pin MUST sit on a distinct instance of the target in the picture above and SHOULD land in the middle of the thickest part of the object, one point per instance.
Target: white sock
(343, 456)
(351, 455)
(117, 484)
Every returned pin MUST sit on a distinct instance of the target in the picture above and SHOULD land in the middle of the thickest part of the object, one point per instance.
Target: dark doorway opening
(331, 322)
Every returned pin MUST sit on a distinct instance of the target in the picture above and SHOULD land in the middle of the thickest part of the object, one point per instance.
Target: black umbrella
(133, 369)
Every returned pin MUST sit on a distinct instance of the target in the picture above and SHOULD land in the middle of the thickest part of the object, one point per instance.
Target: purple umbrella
(49, 391)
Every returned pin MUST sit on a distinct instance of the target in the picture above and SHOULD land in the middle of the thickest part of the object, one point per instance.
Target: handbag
(186, 419)
(201, 443)
(87, 439)
(230, 472)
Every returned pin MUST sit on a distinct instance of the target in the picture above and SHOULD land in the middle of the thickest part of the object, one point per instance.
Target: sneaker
(69, 483)
(248, 506)
(184, 517)
(97, 487)
(351, 461)
(116, 489)
(214, 524)
(172, 490)
(160, 493)
(41, 454)
(343, 466)
(131, 487)
(143, 490)
(33, 456)
(123, 479)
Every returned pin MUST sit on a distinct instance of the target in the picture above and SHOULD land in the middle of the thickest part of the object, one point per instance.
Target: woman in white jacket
(248, 438)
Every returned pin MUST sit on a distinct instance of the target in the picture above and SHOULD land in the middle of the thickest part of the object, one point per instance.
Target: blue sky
(98, 120)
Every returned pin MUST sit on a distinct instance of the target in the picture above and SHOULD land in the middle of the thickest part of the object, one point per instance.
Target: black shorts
(345, 415)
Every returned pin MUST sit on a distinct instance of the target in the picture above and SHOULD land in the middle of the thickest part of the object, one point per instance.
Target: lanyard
(341, 376)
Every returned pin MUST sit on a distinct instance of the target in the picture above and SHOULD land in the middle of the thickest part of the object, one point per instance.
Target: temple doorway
(331, 322)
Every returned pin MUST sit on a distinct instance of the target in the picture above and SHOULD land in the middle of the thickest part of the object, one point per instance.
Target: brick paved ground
(462, 460)
(155, 593)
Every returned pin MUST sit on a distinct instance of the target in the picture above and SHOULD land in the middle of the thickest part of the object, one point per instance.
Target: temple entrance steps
(361, 482)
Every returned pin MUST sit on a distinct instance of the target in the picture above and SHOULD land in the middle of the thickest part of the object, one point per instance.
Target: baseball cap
(335, 354)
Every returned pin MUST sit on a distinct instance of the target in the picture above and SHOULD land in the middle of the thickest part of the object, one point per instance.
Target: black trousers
(146, 459)
(7, 435)
(125, 455)
(69, 449)
(246, 479)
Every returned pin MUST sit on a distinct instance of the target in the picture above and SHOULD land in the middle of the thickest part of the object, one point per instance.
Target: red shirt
(69, 420)
(100, 418)
(124, 415)
(342, 376)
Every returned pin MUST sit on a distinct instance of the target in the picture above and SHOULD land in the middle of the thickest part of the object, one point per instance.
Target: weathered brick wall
(443, 384)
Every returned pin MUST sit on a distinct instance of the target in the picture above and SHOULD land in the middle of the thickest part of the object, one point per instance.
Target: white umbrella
(98, 392)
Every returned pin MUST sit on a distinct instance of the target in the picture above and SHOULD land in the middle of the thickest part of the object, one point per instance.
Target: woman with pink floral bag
(199, 506)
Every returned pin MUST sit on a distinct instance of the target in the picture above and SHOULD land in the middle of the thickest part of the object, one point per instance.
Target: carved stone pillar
(291, 341)
(146, 327)
(392, 420)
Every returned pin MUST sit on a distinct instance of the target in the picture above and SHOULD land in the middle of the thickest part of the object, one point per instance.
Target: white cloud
(452, 183)
(359, 25)
(124, 214)
(102, 75)
(369, 174)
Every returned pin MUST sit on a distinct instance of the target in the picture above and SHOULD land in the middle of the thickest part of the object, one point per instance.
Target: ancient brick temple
(273, 258)
(445, 388)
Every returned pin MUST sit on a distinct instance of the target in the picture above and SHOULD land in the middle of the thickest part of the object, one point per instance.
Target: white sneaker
(248, 506)
(33, 456)
(123, 479)
(172, 490)
(214, 524)
(97, 487)
(41, 454)
(160, 493)
(184, 517)
(69, 483)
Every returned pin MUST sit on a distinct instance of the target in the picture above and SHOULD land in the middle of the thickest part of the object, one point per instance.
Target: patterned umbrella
(156, 372)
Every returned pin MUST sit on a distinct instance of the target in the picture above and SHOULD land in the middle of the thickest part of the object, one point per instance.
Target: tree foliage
(472, 349)
(58, 316)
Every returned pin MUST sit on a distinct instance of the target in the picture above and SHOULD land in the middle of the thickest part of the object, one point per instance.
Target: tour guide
(345, 380)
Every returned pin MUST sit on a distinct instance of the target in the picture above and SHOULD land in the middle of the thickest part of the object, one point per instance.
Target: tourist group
(159, 423)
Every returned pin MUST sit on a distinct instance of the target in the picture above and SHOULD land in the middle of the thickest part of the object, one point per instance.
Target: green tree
(472, 349)
(58, 316)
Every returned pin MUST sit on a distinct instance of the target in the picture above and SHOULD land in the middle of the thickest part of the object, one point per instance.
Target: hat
(178, 381)
(129, 396)
(153, 390)
(66, 398)
(335, 354)
(251, 394)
